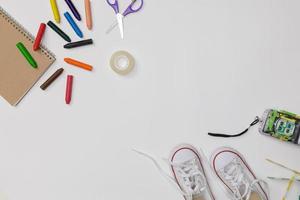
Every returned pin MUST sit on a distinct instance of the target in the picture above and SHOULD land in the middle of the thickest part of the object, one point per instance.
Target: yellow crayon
(55, 11)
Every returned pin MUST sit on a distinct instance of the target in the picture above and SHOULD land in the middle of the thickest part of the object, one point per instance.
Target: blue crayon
(73, 24)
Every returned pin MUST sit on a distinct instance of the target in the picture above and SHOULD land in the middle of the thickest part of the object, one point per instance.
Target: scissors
(119, 21)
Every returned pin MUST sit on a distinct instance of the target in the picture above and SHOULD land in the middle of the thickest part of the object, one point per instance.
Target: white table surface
(201, 65)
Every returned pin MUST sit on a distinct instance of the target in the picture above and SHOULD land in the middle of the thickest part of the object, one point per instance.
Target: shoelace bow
(193, 178)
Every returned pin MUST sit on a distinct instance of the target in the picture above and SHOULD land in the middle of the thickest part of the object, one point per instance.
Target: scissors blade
(120, 23)
(112, 26)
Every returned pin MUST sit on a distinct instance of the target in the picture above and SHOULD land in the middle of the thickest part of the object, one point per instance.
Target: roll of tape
(122, 62)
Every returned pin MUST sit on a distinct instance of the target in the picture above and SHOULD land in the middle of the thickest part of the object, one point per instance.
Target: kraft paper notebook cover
(16, 74)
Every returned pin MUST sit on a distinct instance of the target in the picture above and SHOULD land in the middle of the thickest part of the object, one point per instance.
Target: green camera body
(282, 125)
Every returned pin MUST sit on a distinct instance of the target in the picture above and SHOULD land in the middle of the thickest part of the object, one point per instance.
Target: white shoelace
(235, 176)
(193, 179)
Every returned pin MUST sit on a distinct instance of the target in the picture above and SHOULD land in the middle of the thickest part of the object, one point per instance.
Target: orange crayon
(78, 64)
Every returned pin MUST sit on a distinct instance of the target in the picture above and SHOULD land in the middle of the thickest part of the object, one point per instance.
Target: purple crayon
(73, 9)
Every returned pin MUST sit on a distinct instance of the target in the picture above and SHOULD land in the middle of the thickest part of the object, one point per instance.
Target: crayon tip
(34, 65)
(67, 46)
(68, 39)
(57, 20)
(78, 18)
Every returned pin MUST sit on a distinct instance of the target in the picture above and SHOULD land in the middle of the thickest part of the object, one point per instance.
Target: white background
(201, 65)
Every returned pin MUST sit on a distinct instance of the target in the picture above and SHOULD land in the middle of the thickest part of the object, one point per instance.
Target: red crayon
(39, 37)
(69, 89)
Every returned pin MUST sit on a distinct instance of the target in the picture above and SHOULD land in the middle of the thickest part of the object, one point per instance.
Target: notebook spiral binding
(25, 33)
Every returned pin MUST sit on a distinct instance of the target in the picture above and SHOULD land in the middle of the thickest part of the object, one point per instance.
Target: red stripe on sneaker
(245, 163)
(197, 154)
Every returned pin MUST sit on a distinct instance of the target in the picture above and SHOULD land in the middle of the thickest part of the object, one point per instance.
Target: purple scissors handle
(114, 5)
(130, 9)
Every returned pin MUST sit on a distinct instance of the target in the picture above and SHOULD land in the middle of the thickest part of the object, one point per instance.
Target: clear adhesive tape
(122, 62)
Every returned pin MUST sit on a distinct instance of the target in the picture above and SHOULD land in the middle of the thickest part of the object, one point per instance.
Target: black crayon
(78, 44)
(59, 31)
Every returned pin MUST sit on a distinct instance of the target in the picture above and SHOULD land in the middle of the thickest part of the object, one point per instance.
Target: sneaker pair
(189, 174)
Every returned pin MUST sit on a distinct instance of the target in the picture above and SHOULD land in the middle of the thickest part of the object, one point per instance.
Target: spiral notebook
(17, 77)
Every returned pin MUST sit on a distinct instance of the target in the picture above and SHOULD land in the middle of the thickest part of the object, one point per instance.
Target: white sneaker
(189, 176)
(237, 177)
(187, 165)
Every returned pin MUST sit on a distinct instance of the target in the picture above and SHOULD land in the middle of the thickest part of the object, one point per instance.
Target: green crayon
(26, 54)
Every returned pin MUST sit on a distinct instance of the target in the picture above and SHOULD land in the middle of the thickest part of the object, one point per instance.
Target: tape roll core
(122, 62)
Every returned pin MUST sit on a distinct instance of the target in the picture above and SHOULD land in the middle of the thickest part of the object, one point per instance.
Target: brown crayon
(51, 79)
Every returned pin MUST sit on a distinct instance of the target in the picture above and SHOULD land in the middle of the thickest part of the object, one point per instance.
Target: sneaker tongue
(254, 196)
(202, 198)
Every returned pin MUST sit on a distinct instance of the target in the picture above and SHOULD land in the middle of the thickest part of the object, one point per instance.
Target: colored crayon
(59, 31)
(26, 54)
(78, 64)
(88, 14)
(69, 88)
(39, 37)
(73, 9)
(78, 44)
(55, 11)
(73, 24)
(51, 79)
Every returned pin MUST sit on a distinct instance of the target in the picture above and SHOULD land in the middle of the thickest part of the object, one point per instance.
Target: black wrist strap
(236, 135)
